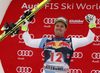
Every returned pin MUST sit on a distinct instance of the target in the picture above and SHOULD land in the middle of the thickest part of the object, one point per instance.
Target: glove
(91, 20)
(24, 26)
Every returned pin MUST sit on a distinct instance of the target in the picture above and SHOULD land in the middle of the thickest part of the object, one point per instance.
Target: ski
(27, 17)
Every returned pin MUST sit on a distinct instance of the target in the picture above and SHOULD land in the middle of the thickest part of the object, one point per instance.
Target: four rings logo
(41, 70)
(22, 69)
(42, 54)
(49, 20)
(95, 71)
(27, 53)
(48, 35)
(75, 71)
(21, 39)
(98, 23)
(75, 36)
(95, 55)
(77, 55)
(97, 38)
(33, 21)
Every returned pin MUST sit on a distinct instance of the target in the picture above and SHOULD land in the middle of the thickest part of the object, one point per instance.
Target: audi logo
(22, 69)
(48, 35)
(75, 71)
(25, 53)
(77, 55)
(75, 36)
(95, 71)
(41, 70)
(95, 55)
(49, 20)
(98, 21)
(33, 21)
(97, 38)
(21, 39)
(42, 54)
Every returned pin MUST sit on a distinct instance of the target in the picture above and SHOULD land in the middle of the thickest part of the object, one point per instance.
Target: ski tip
(0, 36)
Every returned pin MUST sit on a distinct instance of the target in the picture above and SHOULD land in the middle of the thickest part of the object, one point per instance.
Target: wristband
(24, 28)
(92, 25)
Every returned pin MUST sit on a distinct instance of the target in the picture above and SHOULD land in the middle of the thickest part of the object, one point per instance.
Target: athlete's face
(59, 29)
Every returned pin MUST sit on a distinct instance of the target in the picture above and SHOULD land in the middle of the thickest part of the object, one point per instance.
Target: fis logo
(58, 44)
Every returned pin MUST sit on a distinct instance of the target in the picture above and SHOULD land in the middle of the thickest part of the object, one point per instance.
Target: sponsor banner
(96, 57)
(48, 22)
(72, 6)
(48, 36)
(75, 71)
(22, 69)
(75, 11)
(95, 71)
(96, 40)
(28, 6)
(77, 55)
(76, 21)
(24, 53)
(98, 23)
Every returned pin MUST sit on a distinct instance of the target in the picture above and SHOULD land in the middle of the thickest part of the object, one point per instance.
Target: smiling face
(59, 29)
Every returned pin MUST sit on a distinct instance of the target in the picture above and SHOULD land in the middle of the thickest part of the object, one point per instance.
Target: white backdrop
(3, 7)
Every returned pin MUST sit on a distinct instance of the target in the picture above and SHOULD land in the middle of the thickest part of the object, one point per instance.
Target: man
(58, 50)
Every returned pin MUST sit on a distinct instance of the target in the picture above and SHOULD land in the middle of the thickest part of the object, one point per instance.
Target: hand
(24, 26)
(91, 20)
(26, 23)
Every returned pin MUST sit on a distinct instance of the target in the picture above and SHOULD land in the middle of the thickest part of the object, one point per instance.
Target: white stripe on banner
(1, 68)
(3, 7)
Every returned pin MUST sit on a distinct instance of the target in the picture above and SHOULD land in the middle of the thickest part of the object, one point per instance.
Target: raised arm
(80, 42)
(31, 42)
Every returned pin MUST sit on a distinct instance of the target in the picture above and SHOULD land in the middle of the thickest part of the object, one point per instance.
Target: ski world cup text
(63, 6)
(71, 6)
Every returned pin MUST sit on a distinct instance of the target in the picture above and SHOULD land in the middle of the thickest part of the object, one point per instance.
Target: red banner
(13, 50)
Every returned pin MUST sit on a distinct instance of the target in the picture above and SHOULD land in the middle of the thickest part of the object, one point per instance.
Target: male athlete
(58, 50)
